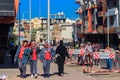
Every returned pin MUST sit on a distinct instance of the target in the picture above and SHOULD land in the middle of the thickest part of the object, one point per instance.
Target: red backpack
(47, 55)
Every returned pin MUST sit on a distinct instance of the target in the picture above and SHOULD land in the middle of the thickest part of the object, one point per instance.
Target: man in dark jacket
(12, 53)
(61, 53)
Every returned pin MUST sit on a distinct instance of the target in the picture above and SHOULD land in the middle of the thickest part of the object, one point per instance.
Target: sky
(39, 8)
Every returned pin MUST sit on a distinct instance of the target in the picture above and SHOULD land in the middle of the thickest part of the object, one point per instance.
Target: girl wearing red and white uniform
(108, 61)
(81, 55)
(33, 59)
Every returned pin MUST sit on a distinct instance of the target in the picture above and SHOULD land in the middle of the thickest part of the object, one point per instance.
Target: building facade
(99, 21)
(39, 28)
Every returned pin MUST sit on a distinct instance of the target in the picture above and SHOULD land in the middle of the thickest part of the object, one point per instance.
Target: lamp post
(19, 23)
(48, 23)
(39, 8)
(30, 19)
(108, 27)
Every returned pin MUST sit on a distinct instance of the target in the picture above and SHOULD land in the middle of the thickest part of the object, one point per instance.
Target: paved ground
(70, 73)
(73, 72)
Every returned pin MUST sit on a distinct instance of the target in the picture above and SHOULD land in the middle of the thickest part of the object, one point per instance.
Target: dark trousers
(22, 67)
(60, 63)
(33, 66)
(80, 60)
(46, 66)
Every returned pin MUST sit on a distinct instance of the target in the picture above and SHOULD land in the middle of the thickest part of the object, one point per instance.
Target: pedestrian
(81, 55)
(22, 58)
(89, 51)
(108, 61)
(12, 53)
(33, 59)
(46, 56)
(61, 53)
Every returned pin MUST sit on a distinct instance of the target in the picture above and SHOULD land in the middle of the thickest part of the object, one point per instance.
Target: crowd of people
(31, 53)
(86, 51)
(85, 54)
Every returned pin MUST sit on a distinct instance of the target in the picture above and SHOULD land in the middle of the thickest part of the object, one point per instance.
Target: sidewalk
(70, 74)
(13, 72)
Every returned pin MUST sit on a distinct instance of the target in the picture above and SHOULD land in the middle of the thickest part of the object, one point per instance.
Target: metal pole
(95, 10)
(48, 29)
(108, 29)
(19, 23)
(117, 19)
(30, 19)
(95, 19)
(119, 12)
(39, 8)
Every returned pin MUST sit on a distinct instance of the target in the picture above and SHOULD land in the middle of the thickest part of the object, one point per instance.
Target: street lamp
(19, 23)
(48, 23)
(108, 25)
(30, 19)
(108, 29)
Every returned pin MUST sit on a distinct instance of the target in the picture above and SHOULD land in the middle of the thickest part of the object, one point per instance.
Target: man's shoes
(44, 75)
(23, 76)
(48, 75)
(61, 74)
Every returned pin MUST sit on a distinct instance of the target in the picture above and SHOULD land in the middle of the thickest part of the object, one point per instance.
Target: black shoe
(59, 74)
(23, 76)
(44, 75)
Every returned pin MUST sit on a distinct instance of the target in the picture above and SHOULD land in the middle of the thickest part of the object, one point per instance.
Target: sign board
(76, 51)
(111, 12)
(103, 55)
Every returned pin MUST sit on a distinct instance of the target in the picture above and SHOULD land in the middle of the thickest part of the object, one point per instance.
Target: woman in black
(61, 53)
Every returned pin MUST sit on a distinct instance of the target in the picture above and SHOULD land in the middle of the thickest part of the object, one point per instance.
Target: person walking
(33, 59)
(12, 53)
(108, 61)
(61, 53)
(21, 57)
(46, 56)
(81, 55)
